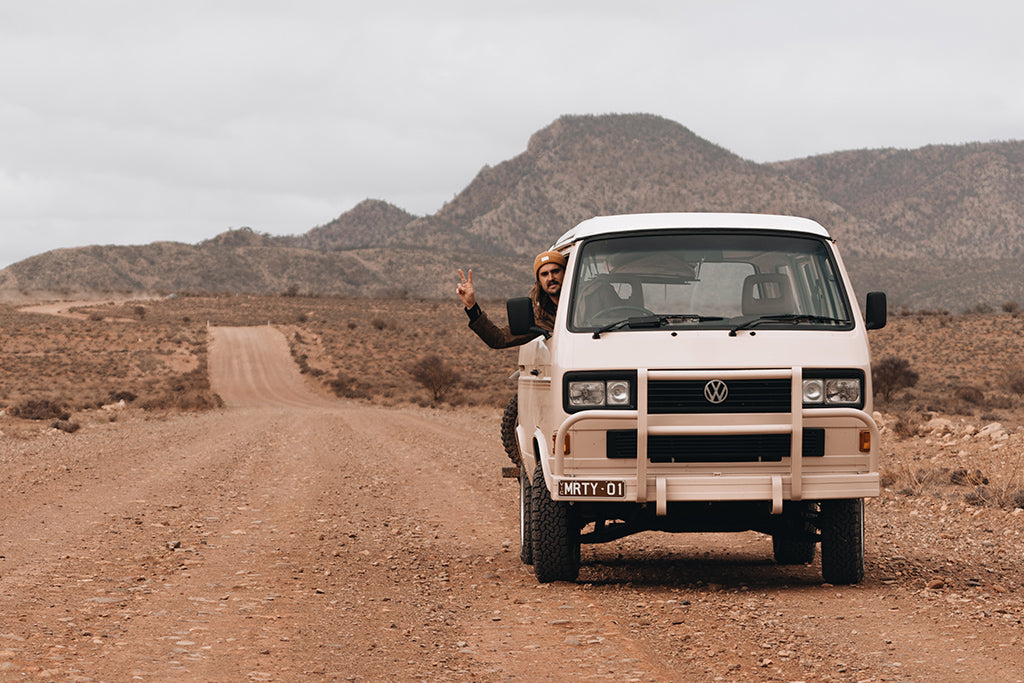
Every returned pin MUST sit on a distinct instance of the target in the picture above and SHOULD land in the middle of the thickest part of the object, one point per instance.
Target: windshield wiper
(691, 317)
(653, 321)
(641, 322)
(787, 318)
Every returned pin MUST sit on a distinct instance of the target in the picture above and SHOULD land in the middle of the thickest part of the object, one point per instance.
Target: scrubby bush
(347, 386)
(891, 374)
(906, 424)
(970, 394)
(40, 409)
(190, 391)
(435, 375)
(66, 426)
(1015, 379)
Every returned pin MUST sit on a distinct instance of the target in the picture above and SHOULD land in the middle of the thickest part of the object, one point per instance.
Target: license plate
(591, 488)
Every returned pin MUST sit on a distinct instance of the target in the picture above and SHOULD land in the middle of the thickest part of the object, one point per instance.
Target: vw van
(706, 373)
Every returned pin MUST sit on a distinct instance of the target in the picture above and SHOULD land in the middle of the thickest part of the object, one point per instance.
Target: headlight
(814, 390)
(617, 393)
(586, 394)
(833, 391)
(589, 390)
(842, 391)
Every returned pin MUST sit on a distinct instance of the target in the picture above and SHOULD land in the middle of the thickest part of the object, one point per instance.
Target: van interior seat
(768, 294)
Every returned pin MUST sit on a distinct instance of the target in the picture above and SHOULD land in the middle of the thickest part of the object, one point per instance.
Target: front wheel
(842, 540)
(509, 422)
(555, 535)
(525, 505)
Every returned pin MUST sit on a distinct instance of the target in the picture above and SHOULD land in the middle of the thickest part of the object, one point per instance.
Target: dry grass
(360, 348)
(364, 349)
(84, 363)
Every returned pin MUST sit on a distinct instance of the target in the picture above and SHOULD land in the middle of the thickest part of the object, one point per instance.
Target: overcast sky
(131, 121)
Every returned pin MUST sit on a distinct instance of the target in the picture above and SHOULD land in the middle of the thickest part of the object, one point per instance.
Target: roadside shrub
(906, 425)
(66, 426)
(347, 386)
(1015, 379)
(1010, 307)
(891, 374)
(970, 394)
(966, 477)
(190, 391)
(40, 409)
(907, 480)
(981, 309)
(436, 376)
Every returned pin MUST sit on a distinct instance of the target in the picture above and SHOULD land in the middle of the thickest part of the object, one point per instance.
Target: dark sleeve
(492, 335)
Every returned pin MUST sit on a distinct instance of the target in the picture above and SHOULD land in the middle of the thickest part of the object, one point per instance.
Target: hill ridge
(935, 211)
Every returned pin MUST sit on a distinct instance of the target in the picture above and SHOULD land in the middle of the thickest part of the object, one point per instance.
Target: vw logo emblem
(715, 391)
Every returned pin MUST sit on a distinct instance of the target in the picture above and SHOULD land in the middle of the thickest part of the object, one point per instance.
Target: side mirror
(875, 312)
(520, 317)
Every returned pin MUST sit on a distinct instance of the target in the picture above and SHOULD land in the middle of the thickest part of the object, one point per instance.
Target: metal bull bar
(794, 426)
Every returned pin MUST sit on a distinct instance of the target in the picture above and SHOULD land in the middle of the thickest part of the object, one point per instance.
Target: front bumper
(853, 476)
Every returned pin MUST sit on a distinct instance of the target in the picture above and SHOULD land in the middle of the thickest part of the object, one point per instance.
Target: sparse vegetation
(891, 374)
(971, 394)
(1015, 379)
(436, 376)
(40, 409)
(970, 369)
(347, 386)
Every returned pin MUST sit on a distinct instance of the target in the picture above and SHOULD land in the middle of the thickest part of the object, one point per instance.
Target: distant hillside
(370, 223)
(952, 217)
(960, 202)
(584, 166)
(939, 227)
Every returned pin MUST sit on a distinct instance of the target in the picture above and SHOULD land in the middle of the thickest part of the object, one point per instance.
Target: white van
(706, 372)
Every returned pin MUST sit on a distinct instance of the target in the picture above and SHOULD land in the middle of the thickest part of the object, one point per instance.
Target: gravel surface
(291, 536)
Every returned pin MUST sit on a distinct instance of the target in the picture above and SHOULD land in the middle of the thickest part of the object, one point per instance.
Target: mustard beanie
(546, 258)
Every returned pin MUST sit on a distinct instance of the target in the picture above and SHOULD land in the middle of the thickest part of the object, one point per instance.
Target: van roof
(602, 225)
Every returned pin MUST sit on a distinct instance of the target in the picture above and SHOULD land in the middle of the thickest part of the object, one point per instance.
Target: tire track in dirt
(292, 536)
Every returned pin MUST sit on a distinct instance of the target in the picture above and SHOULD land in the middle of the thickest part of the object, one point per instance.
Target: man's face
(550, 278)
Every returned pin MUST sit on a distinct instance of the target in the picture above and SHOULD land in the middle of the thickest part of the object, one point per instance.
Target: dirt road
(293, 537)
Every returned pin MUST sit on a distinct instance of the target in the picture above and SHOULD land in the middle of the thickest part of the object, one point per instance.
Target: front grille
(666, 397)
(714, 448)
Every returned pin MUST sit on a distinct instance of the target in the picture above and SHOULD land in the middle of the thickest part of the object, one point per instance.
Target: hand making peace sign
(465, 289)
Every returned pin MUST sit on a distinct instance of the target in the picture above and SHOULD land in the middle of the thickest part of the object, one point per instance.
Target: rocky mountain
(939, 227)
(584, 166)
(960, 202)
(370, 223)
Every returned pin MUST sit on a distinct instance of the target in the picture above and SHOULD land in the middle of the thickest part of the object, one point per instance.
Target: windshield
(707, 281)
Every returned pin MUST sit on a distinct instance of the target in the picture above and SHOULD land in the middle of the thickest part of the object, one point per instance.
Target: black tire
(555, 535)
(525, 515)
(509, 422)
(842, 540)
(794, 540)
